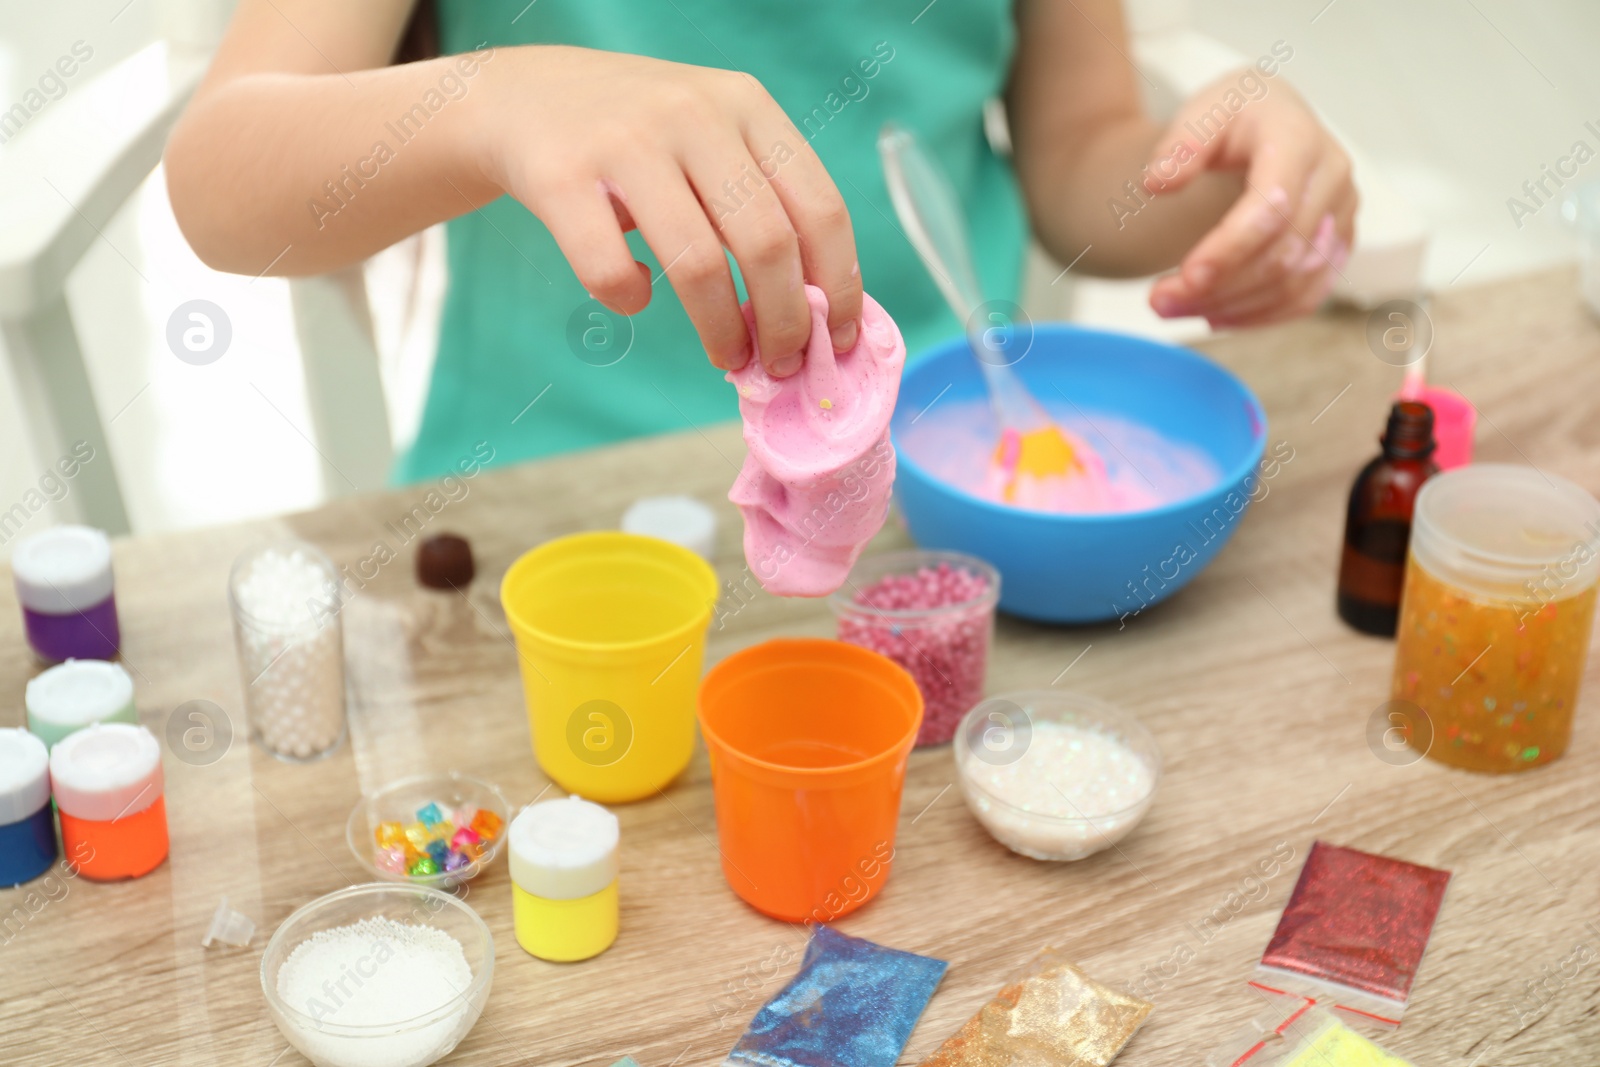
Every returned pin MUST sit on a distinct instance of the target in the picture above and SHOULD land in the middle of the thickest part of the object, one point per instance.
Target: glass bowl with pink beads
(932, 613)
(435, 829)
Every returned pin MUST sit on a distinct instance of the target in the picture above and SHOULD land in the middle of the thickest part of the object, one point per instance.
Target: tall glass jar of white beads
(288, 626)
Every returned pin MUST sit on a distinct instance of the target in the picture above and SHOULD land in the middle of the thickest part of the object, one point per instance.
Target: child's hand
(598, 143)
(1278, 251)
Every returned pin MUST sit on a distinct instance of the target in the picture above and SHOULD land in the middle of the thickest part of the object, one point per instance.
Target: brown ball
(444, 561)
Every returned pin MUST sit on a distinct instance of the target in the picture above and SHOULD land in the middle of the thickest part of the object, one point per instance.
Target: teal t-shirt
(528, 363)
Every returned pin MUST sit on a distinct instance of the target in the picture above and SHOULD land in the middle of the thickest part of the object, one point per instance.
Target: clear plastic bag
(1304, 1037)
(852, 1004)
(1050, 1014)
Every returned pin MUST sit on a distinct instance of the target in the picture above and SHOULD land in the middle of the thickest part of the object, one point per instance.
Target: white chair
(62, 179)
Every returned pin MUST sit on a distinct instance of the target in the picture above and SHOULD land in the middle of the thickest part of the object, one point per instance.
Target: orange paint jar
(108, 789)
(1495, 617)
(808, 741)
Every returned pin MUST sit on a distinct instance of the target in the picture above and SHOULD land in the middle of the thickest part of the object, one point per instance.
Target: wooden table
(1258, 696)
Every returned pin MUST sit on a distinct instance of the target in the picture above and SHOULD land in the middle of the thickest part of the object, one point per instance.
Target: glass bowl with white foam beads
(379, 975)
(1056, 775)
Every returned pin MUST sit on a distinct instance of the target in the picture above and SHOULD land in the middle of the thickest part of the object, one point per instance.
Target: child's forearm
(303, 151)
(302, 173)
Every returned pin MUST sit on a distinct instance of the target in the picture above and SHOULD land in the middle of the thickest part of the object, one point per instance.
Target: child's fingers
(674, 224)
(586, 226)
(1296, 294)
(1170, 297)
(1344, 218)
(1251, 226)
(822, 223)
(1273, 186)
(1276, 277)
(1178, 159)
(757, 230)
(1305, 303)
(1307, 244)
(1272, 267)
(1314, 219)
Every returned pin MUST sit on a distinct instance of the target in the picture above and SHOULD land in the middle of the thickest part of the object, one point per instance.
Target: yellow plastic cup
(610, 631)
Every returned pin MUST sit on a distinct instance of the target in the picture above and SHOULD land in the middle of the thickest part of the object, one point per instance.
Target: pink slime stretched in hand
(815, 484)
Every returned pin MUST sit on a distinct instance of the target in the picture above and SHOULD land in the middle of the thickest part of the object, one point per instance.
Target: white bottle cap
(24, 775)
(62, 570)
(106, 771)
(563, 849)
(71, 695)
(683, 520)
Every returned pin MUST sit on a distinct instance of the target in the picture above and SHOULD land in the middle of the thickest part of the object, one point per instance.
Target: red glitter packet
(1354, 931)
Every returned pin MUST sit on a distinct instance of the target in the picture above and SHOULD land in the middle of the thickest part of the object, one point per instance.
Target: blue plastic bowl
(1089, 568)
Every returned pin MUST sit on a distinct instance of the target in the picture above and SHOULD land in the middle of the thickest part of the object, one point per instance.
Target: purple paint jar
(64, 584)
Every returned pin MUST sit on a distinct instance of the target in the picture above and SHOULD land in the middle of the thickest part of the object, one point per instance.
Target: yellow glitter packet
(1051, 1015)
(1309, 1037)
(1336, 1045)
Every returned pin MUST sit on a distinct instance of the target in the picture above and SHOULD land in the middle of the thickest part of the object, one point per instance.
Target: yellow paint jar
(610, 630)
(563, 858)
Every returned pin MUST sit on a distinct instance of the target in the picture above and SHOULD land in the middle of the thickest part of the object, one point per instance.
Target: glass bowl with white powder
(381, 975)
(1056, 775)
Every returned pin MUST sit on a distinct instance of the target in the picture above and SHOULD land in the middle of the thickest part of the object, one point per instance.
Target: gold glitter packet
(1049, 1015)
(1307, 1037)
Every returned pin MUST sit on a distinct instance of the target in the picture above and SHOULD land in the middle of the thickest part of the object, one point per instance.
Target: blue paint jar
(27, 825)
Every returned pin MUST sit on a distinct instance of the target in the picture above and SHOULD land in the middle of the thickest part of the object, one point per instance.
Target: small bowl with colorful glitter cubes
(436, 829)
(932, 613)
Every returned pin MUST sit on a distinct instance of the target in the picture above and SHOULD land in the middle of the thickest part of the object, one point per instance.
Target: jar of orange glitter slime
(1495, 617)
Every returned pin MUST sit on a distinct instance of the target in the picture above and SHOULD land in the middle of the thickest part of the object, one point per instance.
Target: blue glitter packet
(853, 1004)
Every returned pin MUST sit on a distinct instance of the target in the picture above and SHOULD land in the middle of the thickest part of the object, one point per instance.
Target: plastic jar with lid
(27, 826)
(564, 878)
(108, 788)
(74, 694)
(933, 614)
(683, 520)
(64, 584)
(1495, 617)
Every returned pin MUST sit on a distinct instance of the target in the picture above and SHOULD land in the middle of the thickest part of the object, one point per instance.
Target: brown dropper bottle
(1377, 526)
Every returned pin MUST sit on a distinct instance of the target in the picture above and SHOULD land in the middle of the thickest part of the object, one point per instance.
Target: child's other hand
(598, 143)
(1278, 251)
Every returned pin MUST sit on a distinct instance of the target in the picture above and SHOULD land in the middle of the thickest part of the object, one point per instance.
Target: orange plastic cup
(808, 741)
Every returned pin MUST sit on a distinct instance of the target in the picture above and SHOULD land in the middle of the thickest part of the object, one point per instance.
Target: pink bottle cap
(1454, 420)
